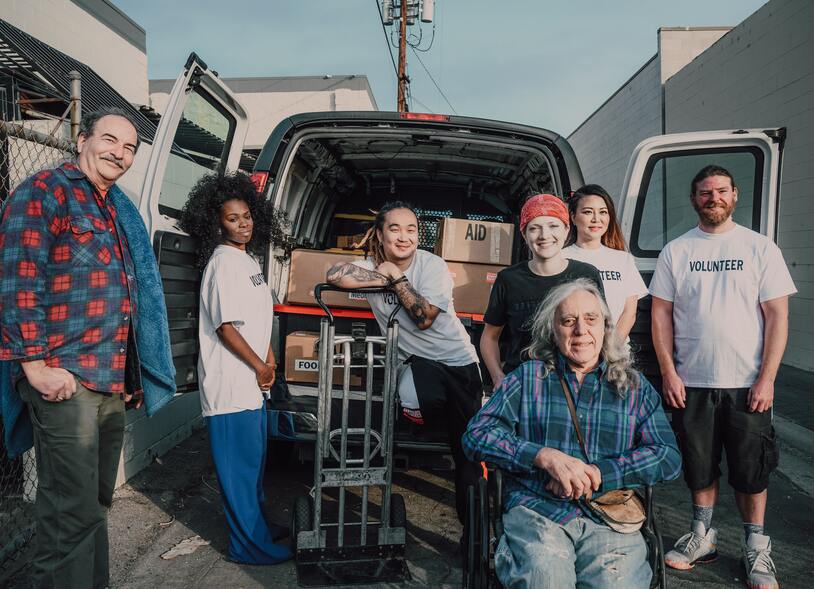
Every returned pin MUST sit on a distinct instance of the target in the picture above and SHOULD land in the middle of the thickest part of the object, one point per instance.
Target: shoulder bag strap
(566, 390)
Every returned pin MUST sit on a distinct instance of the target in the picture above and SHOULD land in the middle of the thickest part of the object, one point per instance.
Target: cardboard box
(472, 284)
(480, 242)
(302, 360)
(308, 268)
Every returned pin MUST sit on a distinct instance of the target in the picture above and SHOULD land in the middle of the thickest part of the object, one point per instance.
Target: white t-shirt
(233, 290)
(716, 283)
(620, 277)
(446, 340)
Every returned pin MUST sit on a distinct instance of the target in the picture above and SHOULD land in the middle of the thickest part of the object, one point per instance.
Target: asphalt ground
(177, 497)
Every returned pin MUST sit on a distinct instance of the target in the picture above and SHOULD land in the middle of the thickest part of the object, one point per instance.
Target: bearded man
(720, 325)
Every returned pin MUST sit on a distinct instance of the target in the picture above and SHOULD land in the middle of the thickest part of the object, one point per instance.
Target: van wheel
(398, 511)
(301, 517)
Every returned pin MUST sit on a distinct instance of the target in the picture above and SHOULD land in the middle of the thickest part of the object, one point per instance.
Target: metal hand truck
(367, 550)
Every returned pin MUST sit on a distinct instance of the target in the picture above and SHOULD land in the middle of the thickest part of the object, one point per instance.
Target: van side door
(202, 130)
(655, 202)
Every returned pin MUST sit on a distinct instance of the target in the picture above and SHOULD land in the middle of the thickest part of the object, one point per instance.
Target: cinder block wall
(604, 142)
(761, 74)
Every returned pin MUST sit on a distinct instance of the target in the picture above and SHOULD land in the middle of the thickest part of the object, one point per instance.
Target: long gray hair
(619, 372)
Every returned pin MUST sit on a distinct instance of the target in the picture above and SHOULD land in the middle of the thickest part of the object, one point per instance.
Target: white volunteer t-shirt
(620, 277)
(233, 290)
(446, 340)
(716, 283)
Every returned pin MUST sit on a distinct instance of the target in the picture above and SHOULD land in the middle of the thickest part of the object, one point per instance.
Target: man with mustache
(720, 325)
(70, 292)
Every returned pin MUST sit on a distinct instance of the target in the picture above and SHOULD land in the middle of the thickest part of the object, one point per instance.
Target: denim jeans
(538, 553)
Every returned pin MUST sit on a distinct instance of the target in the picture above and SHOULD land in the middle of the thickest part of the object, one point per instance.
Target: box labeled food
(472, 285)
(302, 360)
(308, 268)
(481, 242)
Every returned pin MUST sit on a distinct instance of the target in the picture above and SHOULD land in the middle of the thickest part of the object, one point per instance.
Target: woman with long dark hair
(236, 364)
(596, 238)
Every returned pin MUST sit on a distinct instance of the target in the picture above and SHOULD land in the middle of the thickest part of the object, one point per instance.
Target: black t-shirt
(515, 296)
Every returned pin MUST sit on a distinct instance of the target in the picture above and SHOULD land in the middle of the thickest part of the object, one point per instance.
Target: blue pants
(537, 553)
(238, 442)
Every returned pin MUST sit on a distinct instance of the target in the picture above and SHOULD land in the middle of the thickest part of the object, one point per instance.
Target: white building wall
(604, 142)
(762, 75)
(679, 46)
(266, 108)
(65, 26)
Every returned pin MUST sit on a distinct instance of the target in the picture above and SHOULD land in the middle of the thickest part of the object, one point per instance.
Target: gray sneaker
(700, 546)
(760, 571)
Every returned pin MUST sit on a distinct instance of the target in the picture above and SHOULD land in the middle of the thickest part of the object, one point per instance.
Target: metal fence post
(76, 102)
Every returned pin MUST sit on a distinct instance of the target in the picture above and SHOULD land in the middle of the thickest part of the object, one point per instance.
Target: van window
(663, 207)
(201, 145)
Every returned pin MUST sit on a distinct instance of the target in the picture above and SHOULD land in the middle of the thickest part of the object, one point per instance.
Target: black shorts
(715, 419)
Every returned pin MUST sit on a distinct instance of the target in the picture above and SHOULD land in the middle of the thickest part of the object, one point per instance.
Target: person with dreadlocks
(236, 363)
(440, 382)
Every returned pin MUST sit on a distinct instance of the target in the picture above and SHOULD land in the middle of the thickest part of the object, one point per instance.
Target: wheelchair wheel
(483, 536)
(470, 569)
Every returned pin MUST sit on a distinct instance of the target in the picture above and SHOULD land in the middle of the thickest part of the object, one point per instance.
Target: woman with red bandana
(519, 289)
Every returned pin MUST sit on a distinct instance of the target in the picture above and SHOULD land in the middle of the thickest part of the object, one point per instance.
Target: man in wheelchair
(552, 538)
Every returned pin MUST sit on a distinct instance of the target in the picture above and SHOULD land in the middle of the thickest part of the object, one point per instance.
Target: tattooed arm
(349, 275)
(418, 308)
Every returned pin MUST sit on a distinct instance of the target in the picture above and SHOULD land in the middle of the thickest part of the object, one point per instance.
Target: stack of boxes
(308, 268)
(475, 251)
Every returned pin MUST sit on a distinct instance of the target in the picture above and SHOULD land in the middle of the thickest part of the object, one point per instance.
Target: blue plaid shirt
(629, 439)
(67, 286)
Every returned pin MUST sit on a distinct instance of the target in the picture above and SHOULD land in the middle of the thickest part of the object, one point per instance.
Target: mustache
(113, 160)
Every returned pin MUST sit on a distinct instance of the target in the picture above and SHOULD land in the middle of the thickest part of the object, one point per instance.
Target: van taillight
(260, 179)
(423, 116)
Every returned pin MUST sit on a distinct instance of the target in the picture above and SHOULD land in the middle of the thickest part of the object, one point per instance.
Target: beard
(715, 214)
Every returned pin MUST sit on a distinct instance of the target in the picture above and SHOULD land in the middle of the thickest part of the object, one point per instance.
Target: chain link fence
(25, 148)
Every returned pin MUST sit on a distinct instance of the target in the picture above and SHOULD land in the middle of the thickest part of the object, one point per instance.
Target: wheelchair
(483, 528)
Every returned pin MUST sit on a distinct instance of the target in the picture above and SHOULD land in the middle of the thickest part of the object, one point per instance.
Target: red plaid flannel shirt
(67, 281)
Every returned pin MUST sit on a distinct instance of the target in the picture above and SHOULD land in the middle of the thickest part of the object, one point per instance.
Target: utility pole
(408, 11)
(403, 80)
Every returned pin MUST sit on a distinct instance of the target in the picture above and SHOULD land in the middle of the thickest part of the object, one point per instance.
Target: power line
(441, 92)
(421, 104)
(386, 40)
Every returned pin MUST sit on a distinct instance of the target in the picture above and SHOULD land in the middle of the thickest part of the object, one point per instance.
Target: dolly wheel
(301, 517)
(398, 512)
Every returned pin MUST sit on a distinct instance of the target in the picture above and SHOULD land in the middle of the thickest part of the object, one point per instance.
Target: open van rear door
(655, 204)
(656, 208)
(202, 130)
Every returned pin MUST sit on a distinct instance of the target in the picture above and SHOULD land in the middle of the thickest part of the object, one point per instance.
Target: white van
(317, 165)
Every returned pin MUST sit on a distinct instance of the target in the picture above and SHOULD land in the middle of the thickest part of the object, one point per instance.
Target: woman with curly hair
(236, 363)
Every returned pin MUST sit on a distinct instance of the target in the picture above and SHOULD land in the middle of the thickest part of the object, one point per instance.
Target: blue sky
(548, 63)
